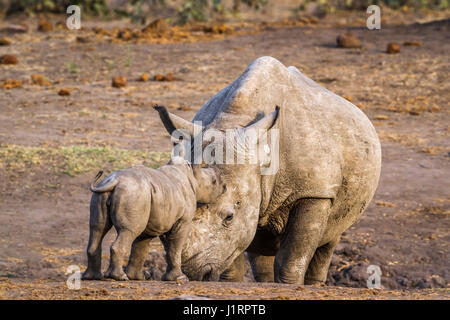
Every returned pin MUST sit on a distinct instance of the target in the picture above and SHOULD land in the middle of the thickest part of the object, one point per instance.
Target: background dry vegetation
(73, 102)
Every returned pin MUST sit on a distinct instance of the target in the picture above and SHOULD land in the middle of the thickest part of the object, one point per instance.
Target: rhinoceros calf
(144, 203)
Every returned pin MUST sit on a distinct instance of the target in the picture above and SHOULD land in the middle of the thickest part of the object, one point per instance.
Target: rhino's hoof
(174, 276)
(90, 275)
(135, 275)
(182, 279)
(117, 276)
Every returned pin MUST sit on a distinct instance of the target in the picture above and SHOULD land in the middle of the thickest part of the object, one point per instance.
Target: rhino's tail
(106, 185)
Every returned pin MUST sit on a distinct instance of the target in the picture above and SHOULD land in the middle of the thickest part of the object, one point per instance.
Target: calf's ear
(208, 186)
(172, 122)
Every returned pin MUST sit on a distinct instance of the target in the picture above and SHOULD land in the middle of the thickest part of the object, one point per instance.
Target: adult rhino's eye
(229, 217)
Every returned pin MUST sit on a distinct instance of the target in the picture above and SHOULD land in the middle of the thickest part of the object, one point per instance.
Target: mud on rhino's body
(329, 166)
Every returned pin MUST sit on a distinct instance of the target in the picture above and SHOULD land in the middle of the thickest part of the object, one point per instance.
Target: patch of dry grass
(74, 160)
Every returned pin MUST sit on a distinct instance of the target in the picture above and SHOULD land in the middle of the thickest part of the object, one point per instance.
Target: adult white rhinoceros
(289, 222)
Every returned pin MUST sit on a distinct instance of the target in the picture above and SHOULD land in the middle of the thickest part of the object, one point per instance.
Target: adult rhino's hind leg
(320, 263)
(99, 225)
(139, 253)
(234, 273)
(262, 267)
(304, 230)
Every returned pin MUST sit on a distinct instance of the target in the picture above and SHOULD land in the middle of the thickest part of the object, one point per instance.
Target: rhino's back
(328, 147)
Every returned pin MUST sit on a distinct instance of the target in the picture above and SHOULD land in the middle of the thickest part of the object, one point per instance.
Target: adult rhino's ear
(265, 123)
(172, 122)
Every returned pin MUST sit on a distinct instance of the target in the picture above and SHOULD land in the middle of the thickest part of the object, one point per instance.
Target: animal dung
(158, 26)
(8, 59)
(184, 108)
(218, 29)
(393, 48)
(167, 77)
(119, 81)
(10, 84)
(64, 92)
(348, 40)
(412, 43)
(80, 39)
(45, 26)
(144, 77)
(40, 80)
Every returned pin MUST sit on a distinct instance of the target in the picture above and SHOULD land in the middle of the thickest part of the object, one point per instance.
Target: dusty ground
(52, 146)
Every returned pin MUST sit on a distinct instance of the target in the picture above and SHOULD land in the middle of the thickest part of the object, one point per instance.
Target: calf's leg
(139, 253)
(99, 225)
(120, 250)
(174, 241)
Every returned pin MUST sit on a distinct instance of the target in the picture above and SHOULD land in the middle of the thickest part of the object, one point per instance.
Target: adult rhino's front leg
(235, 272)
(304, 230)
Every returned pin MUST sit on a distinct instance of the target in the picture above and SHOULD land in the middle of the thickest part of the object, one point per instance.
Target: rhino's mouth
(210, 273)
(207, 272)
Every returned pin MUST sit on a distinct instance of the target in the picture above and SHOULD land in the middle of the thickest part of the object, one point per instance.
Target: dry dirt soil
(52, 145)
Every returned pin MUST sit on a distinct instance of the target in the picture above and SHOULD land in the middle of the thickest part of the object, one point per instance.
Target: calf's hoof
(91, 275)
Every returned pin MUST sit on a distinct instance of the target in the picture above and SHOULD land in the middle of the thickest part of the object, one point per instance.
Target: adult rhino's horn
(267, 122)
(172, 122)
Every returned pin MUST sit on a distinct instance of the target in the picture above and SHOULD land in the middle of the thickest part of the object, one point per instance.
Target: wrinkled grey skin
(289, 222)
(144, 203)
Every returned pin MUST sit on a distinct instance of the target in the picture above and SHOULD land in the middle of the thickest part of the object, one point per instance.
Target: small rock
(45, 26)
(5, 41)
(8, 59)
(119, 81)
(64, 92)
(348, 40)
(393, 48)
